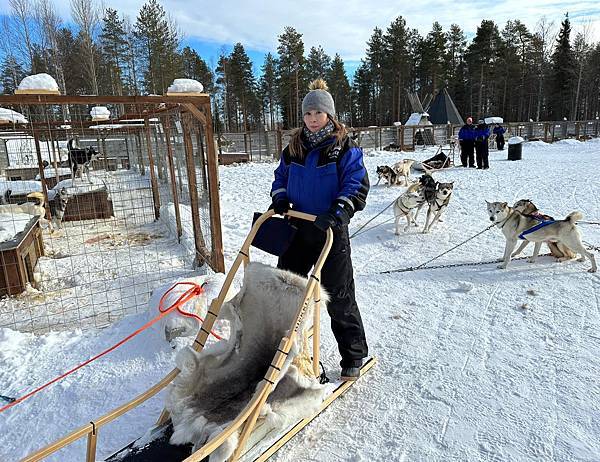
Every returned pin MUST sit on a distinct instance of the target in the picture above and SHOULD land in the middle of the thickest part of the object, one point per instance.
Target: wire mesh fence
(97, 213)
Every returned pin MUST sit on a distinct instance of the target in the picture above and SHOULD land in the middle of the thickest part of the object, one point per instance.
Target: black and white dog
(79, 159)
(57, 200)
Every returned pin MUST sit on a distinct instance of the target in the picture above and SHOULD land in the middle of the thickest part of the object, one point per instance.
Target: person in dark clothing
(482, 135)
(466, 138)
(499, 131)
(321, 172)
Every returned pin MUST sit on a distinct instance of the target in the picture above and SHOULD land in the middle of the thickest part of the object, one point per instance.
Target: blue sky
(340, 27)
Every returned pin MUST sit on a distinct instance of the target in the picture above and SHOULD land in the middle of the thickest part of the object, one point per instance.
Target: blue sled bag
(275, 235)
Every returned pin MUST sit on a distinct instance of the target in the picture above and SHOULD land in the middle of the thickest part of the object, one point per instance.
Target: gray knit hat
(318, 99)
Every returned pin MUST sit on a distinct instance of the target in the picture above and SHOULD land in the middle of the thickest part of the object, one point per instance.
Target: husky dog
(395, 147)
(387, 173)
(405, 205)
(557, 249)
(79, 160)
(438, 205)
(428, 186)
(402, 170)
(515, 226)
(58, 204)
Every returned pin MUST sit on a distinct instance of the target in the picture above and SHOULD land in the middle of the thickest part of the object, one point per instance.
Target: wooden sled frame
(247, 418)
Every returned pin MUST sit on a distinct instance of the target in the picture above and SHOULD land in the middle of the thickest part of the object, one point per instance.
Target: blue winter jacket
(328, 173)
(482, 133)
(499, 130)
(466, 133)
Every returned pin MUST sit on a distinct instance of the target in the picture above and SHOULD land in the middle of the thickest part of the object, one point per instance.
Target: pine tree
(243, 85)
(376, 58)
(194, 67)
(318, 63)
(482, 57)
(339, 87)
(291, 76)
(268, 87)
(562, 77)
(361, 96)
(159, 38)
(456, 70)
(397, 64)
(113, 44)
(434, 61)
(11, 74)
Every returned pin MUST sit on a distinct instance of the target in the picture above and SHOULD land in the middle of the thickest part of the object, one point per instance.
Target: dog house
(18, 257)
(86, 201)
(21, 173)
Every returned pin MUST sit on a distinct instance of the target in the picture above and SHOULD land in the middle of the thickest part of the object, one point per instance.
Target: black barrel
(515, 151)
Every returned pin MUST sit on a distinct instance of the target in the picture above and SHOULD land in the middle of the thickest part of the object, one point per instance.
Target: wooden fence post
(153, 181)
(167, 128)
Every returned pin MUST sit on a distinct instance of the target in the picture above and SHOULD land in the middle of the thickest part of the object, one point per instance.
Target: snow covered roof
(38, 82)
(106, 126)
(185, 86)
(11, 224)
(418, 118)
(8, 115)
(494, 120)
(100, 113)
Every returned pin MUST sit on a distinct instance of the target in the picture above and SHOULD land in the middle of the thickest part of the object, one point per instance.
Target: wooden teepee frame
(246, 420)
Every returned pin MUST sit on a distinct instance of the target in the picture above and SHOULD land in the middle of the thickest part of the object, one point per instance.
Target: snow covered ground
(474, 363)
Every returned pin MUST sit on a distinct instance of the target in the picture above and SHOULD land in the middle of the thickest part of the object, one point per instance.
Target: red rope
(192, 292)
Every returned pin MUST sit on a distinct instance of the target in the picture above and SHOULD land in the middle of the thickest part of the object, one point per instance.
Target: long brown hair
(295, 144)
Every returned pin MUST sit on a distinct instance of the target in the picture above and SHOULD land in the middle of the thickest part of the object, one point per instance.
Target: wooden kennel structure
(247, 418)
(18, 258)
(89, 205)
(194, 111)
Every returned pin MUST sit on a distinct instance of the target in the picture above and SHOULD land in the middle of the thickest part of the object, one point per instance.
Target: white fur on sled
(216, 384)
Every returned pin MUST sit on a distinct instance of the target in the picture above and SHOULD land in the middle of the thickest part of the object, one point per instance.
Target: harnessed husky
(515, 226)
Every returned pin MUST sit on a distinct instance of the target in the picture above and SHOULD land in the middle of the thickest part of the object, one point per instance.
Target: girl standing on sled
(321, 172)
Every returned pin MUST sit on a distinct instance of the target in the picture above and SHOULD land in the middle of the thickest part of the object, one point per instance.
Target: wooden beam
(196, 112)
(105, 99)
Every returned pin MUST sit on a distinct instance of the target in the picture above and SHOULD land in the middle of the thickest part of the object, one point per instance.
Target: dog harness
(541, 224)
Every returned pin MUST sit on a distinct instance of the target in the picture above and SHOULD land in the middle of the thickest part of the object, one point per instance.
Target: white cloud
(344, 27)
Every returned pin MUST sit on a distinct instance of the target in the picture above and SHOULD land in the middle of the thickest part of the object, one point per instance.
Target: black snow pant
(338, 280)
(466, 153)
(483, 154)
(500, 142)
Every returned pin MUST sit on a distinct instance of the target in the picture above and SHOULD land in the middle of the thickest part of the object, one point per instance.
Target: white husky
(405, 206)
(515, 226)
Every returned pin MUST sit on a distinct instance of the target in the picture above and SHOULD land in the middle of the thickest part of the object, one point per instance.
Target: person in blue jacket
(466, 138)
(321, 172)
(482, 152)
(499, 131)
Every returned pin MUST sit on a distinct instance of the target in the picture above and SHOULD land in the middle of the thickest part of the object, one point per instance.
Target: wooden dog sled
(254, 441)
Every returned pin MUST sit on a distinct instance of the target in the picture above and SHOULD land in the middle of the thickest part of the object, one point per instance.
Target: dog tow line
(357, 232)
(414, 268)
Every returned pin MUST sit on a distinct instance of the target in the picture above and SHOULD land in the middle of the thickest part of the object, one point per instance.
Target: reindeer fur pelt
(216, 384)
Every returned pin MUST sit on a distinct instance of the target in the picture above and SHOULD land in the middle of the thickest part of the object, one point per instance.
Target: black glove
(336, 216)
(280, 205)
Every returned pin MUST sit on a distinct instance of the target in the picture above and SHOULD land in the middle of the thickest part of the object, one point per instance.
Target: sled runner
(220, 409)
